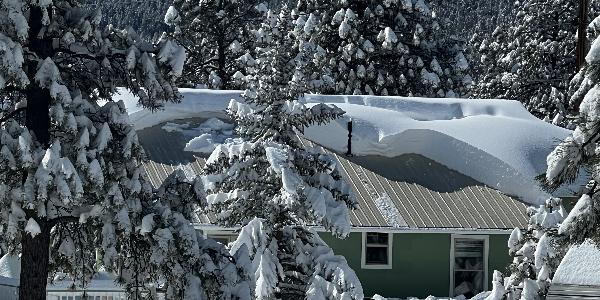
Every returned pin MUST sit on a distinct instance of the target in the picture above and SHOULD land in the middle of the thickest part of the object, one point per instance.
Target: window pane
(468, 283)
(376, 256)
(468, 248)
(468, 263)
(377, 238)
(468, 267)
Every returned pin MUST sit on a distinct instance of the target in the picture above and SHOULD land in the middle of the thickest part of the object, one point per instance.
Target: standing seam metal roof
(470, 207)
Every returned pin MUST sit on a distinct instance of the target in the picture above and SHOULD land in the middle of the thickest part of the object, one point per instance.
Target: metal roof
(419, 193)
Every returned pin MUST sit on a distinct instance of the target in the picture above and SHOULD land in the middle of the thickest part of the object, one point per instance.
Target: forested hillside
(463, 17)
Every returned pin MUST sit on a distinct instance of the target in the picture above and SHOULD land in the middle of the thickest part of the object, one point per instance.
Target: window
(223, 239)
(468, 265)
(376, 250)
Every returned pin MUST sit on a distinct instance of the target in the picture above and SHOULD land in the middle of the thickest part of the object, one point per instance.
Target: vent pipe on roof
(349, 152)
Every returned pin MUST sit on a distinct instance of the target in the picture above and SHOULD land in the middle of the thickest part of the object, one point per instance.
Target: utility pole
(581, 33)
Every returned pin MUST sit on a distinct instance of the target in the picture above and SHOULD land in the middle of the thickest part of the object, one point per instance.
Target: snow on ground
(477, 297)
(496, 142)
(579, 266)
(10, 266)
(101, 281)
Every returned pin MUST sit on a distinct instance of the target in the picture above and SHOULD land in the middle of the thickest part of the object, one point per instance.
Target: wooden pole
(581, 33)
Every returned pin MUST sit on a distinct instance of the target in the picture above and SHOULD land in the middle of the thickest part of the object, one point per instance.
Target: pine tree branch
(91, 56)
(61, 220)
(12, 114)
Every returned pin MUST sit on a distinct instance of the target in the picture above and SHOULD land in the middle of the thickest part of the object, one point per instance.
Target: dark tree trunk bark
(37, 117)
(34, 264)
(223, 66)
(581, 33)
(35, 251)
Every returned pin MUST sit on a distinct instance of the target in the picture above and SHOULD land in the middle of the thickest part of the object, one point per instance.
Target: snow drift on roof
(496, 142)
(579, 266)
(195, 103)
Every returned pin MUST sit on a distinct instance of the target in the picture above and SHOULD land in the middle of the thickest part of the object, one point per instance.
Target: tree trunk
(34, 264)
(223, 65)
(581, 33)
(35, 251)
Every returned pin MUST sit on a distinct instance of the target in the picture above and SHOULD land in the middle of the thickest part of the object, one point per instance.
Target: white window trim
(486, 254)
(363, 256)
(231, 236)
(219, 232)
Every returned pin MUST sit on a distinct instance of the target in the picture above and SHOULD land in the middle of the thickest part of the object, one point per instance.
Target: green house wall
(420, 263)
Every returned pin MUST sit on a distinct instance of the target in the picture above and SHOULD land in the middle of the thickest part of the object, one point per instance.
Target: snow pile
(205, 137)
(101, 281)
(195, 103)
(579, 266)
(496, 142)
(389, 211)
(10, 266)
(208, 135)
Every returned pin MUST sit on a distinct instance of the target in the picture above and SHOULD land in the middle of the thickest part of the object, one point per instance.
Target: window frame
(486, 254)
(229, 238)
(363, 259)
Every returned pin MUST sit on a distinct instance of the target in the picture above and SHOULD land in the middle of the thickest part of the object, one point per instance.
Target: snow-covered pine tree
(382, 48)
(580, 84)
(492, 81)
(580, 151)
(533, 59)
(215, 33)
(72, 184)
(498, 290)
(537, 252)
(145, 17)
(274, 187)
(464, 18)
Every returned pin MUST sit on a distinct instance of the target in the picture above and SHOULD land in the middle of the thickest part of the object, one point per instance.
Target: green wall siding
(499, 258)
(420, 263)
